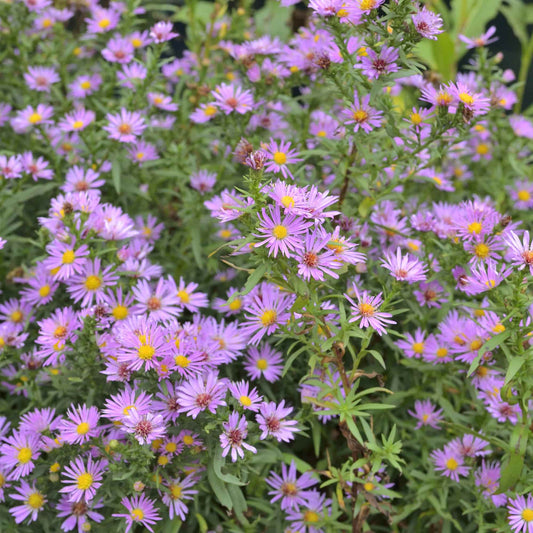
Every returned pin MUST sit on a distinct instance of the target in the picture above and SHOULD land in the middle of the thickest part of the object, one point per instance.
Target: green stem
(527, 57)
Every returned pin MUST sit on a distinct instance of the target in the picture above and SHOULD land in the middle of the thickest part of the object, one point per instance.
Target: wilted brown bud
(68, 208)
(505, 221)
(243, 149)
(256, 160)
(323, 61)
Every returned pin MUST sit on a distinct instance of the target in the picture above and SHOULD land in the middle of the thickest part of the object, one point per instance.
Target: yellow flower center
(418, 347)
(475, 227)
(34, 118)
(280, 158)
(175, 492)
(35, 500)
(442, 352)
(482, 149)
(476, 344)
(416, 118)
(498, 328)
(137, 514)
(83, 428)
(182, 361)
(287, 201)
(93, 283)
(146, 352)
(77, 124)
(321, 133)
(171, 447)
(311, 517)
(16, 316)
(360, 115)
(235, 305)
(452, 464)
(44, 291)
(85, 85)
(184, 296)
(366, 309)
(120, 312)
(163, 460)
(466, 98)
(104, 23)
(24, 455)
(527, 514)
(245, 400)
(269, 317)
(280, 232)
(523, 195)
(482, 250)
(210, 110)
(342, 12)
(136, 43)
(262, 364)
(368, 486)
(68, 257)
(188, 440)
(85, 481)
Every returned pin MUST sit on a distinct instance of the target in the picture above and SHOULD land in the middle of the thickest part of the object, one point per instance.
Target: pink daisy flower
(230, 98)
(41, 78)
(33, 502)
(366, 311)
(279, 155)
(141, 510)
(83, 481)
(272, 423)
(80, 424)
(235, 431)
(125, 126)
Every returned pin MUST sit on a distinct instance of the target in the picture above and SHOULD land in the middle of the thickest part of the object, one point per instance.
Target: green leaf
(254, 278)
(366, 206)
(510, 472)
(514, 366)
(219, 487)
(489, 345)
(516, 14)
(115, 174)
(444, 55)
(239, 502)
(31, 192)
(197, 246)
(218, 462)
(274, 19)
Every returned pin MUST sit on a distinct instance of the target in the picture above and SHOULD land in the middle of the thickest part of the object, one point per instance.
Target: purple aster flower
(521, 193)
(91, 283)
(102, 20)
(404, 268)
(265, 362)
(118, 50)
(33, 499)
(376, 64)
(414, 346)
(483, 40)
(162, 32)
(65, 259)
(235, 431)
(315, 258)
(520, 512)
(118, 406)
(520, 251)
(41, 78)
(308, 517)
(272, 424)
(361, 115)
(430, 294)
(204, 113)
(178, 491)
(141, 510)
(488, 478)
(142, 151)
(266, 313)
(131, 75)
(84, 85)
(161, 302)
(231, 98)
(162, 101)
(80, 425)
(11, 167)
(18, 452)
(248, 399)
(484, 277)
(281, 233)
(200, 393)
(126, 126)
(289, 487)
(427, 414)
(77, 120)
(279, 155)
(470, 446)
(145, 427)
(366, 311)
(188, 296)
(427, 23)
(78, 513)
(475, 102)
(522, 127)
(32, 116)
(39, 421)
(37, 168)
(83, 481)
(40, 290)
(203, 181)
(449, 462)
(79, 179)
(143, 343)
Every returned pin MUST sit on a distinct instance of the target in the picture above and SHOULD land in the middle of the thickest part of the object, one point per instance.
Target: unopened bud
(138, 486)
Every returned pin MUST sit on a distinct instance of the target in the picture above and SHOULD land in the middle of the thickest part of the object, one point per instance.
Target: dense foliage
(280, 283)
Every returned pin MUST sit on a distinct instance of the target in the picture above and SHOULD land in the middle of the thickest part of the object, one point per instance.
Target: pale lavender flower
(235, 431)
